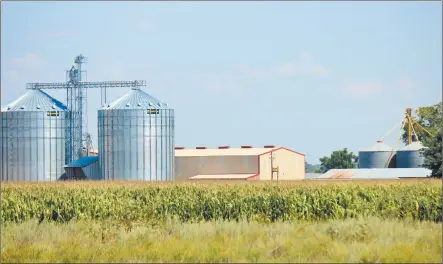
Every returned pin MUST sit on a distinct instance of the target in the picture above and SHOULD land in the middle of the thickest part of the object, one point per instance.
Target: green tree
(433, 154)
(340, 159)
(430, 117)
(311, 168)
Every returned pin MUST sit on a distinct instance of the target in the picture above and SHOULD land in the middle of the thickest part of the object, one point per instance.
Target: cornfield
(63, 202)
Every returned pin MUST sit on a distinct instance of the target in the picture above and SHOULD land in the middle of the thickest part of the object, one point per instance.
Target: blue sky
(311, 76)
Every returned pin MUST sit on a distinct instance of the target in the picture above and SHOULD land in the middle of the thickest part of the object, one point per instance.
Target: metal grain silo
(33, 138)
(376, 156)
(136, 139)
(410, 156)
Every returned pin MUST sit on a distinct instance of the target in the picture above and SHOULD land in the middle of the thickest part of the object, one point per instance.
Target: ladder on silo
(10, 149)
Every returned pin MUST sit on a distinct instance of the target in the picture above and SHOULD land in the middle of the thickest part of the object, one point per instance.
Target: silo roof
(35, 100)
(379, 146)
(416, 145)
(136, 99)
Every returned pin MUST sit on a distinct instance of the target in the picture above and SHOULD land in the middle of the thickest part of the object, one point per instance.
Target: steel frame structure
(76, 99)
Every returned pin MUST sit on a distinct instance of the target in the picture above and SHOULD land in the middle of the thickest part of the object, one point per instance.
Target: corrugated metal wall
(376, 159)
(33, 145)
(187, 167)
(409, 159)
(136, 144)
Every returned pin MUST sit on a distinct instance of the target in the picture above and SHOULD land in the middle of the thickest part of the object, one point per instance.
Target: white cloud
(44, 34)
(288, 69)
(251, 72)
(13, 75)
(305, 64)
(220, 85)
(16, 72)
(406, 84)
(359, 90)
(405, 89)
(144, 25)
(27, 61)
(30, 67)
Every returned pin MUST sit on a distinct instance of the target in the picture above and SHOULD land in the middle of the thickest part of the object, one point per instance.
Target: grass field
(370, 240)
(304, 221)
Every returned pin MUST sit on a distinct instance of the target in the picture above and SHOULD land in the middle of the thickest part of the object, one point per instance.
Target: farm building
(245, 163)
(376, 174)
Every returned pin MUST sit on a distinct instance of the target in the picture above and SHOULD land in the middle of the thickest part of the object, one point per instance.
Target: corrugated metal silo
(376, 156)
(136, 139)
(410, 156)
(33, 138)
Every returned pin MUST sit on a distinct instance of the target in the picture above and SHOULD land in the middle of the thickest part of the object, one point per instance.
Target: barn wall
(187, 167)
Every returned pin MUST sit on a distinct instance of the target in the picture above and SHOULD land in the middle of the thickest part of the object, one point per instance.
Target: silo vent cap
(22, 107)
(38, 106)
(53, 106)
(128, 105)
(139, 104)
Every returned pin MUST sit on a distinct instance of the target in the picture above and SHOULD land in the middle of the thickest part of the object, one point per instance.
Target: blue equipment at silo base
(85, 168)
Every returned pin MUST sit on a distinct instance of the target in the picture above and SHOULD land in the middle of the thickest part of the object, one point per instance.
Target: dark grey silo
(376, 156)
(410, 156)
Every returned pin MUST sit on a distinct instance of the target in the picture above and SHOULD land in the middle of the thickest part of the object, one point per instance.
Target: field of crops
(304, 221)
(196, 202)
(369, 240)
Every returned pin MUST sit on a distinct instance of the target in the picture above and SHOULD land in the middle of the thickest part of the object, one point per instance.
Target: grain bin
(376, 156)
(410, 156)
(33, 138)
(136, 139)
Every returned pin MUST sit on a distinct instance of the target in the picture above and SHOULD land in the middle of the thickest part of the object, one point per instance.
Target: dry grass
(369, 240)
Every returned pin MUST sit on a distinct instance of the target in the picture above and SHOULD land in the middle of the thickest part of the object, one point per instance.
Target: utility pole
(272, 158)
